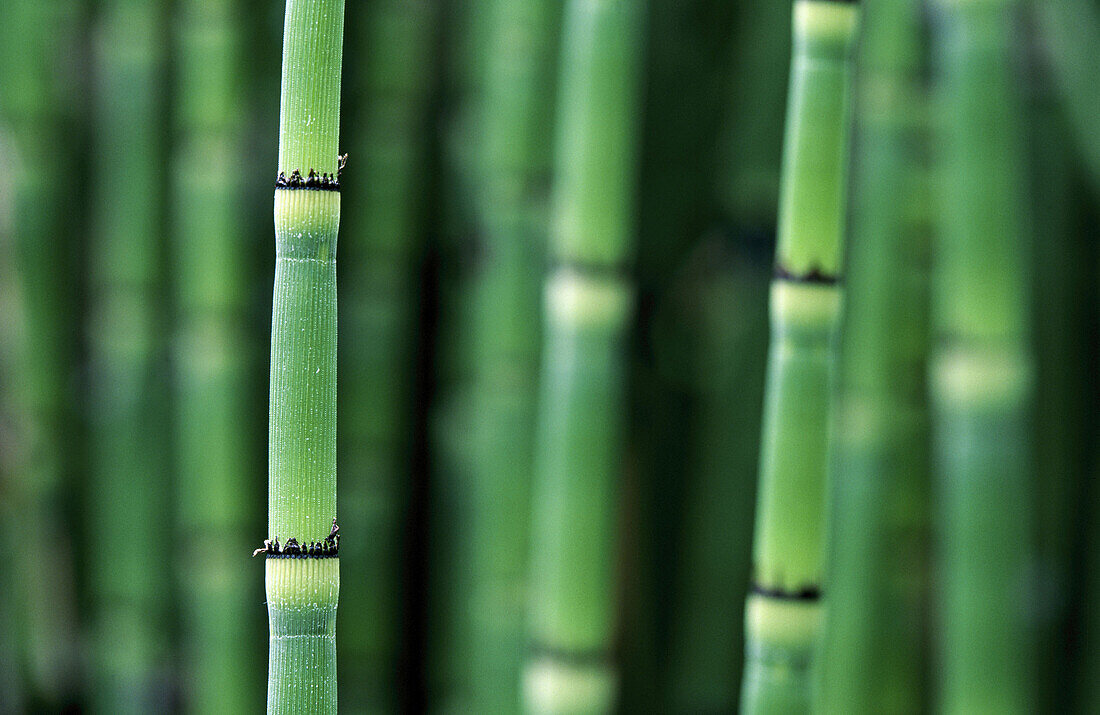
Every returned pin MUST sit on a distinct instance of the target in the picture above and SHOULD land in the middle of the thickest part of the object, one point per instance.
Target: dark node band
(327, 548)
(814, 276)
(313, 181)
(572, 657)
(806, 594)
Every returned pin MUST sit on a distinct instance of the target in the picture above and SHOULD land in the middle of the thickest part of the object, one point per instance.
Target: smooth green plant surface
(302, 589)
(783, 608)
(981, 366)
(1071, 30)
(588, 304)
(1064, 304)
(211, 398)
(872, 655)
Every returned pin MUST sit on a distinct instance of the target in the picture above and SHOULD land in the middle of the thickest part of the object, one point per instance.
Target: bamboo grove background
(559, 231)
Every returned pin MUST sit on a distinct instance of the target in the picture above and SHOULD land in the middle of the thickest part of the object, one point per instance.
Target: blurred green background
(138, 142)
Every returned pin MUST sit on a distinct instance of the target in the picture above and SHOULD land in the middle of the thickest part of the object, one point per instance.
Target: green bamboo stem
(211, 400)
(128, 490)
(302, 588)
(1071, 31)
(783, 607)
(1064, 305)
(513, 206)
(457, 249)
(12, 689)
(872, 655)
(588, 304)
(35, 105)
(393, 76)
(981, 367)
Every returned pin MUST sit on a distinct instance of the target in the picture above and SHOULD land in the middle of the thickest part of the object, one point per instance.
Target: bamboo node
(326, 548)
(807, 593)
(814, 276)
(311, 182)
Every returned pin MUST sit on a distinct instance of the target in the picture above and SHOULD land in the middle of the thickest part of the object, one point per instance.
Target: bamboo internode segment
(812, 194)
(788, 550)
(309, 117)
(301, 602)
(303, 367)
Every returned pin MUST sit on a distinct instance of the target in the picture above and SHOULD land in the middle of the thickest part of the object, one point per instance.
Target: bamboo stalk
(303, 577)
(36, 106)
(513, 207)
(380, 302)
(456, 250)
(981, 367)
(783, 607)
(587, 312)
(1071, 30)
(872, 654)
(211, 399)
(128, 491)
(12, 695)
(1064, 304)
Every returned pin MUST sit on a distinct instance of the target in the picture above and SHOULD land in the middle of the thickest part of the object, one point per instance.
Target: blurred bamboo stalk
(1063, 341)
(588, 304)
(303, 571)
(872, 655)
(37, 100)
(129, 483)
(1071, 30)
(982, 372)
(383, 251)
(211, 402)
(455, 251)
(783, 607)
(512, 197)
